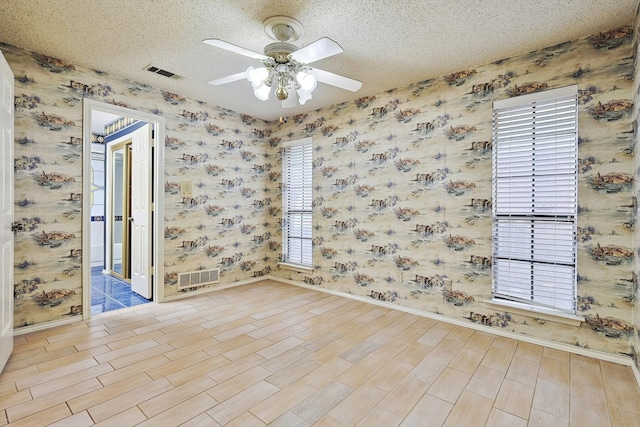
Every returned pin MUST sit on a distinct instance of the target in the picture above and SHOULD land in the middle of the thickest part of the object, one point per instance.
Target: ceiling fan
(285, 65)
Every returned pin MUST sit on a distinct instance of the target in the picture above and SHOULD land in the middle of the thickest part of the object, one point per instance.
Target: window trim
(549, 314)
(534, 216)
(306, 211)
(295, 267)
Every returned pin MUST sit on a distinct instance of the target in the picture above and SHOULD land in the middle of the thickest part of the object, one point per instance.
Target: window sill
(537, 312)
(295, 267)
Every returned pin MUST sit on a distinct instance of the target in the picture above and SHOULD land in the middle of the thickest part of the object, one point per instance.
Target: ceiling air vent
(164, 73)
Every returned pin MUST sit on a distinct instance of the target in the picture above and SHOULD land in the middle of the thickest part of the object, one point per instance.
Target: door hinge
(17, 226)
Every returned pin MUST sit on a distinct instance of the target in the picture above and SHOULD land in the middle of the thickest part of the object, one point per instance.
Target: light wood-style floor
(281, 355)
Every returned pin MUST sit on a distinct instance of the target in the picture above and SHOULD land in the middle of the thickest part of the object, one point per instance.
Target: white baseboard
(46, 325)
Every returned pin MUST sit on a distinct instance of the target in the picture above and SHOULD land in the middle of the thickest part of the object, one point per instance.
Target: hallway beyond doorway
(110, 293)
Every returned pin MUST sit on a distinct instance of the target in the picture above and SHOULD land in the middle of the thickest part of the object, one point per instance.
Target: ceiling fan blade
(234, 48)
(229, 79)
(336, 80)
(319, 49)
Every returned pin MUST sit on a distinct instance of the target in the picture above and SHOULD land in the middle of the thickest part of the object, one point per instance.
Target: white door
(140, 211)
(6, 211)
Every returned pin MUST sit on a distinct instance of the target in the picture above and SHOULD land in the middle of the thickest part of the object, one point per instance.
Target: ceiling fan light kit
(285, 76)
(285, 65)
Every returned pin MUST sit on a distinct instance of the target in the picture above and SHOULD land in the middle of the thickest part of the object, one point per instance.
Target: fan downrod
(284, 30)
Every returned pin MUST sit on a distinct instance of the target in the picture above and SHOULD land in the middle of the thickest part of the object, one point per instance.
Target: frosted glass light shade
(257, 76)
(262, 92)
(303, 96)
(307, 82)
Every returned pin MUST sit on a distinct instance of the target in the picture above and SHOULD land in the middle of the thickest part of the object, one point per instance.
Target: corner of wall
(635, 315)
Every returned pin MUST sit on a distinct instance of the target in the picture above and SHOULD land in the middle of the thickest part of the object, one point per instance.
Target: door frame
(89, 106)
(7, 240)
(124, 144)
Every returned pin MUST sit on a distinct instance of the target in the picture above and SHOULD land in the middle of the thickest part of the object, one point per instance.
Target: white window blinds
(535, 189)
(297, 196)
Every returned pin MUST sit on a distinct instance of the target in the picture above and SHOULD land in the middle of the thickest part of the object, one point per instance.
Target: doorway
(122, 241)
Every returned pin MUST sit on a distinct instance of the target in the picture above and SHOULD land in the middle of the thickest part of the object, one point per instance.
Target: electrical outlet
(186, 189)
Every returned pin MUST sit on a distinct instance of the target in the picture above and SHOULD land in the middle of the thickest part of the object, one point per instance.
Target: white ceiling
(387, 43)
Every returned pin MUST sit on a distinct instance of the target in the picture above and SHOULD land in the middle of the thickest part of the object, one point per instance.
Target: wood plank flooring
(275, 354)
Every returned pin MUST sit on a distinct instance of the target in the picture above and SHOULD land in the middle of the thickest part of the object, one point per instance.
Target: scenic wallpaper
(635, 343)
(402, 188)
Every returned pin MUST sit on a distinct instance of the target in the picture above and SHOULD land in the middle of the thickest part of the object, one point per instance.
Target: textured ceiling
(387, 43)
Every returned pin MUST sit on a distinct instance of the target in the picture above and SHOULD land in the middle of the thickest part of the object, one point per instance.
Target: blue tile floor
(110, 293)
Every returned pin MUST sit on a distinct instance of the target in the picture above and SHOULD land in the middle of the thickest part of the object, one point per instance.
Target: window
(296, 202)
(535, 189)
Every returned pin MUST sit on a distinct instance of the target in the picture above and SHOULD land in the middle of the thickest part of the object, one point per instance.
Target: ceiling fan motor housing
(280, 51)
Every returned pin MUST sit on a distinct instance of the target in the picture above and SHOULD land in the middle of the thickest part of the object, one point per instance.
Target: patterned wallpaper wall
(402, 183)
(221, 152)
(636, 189)
(402, 190)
